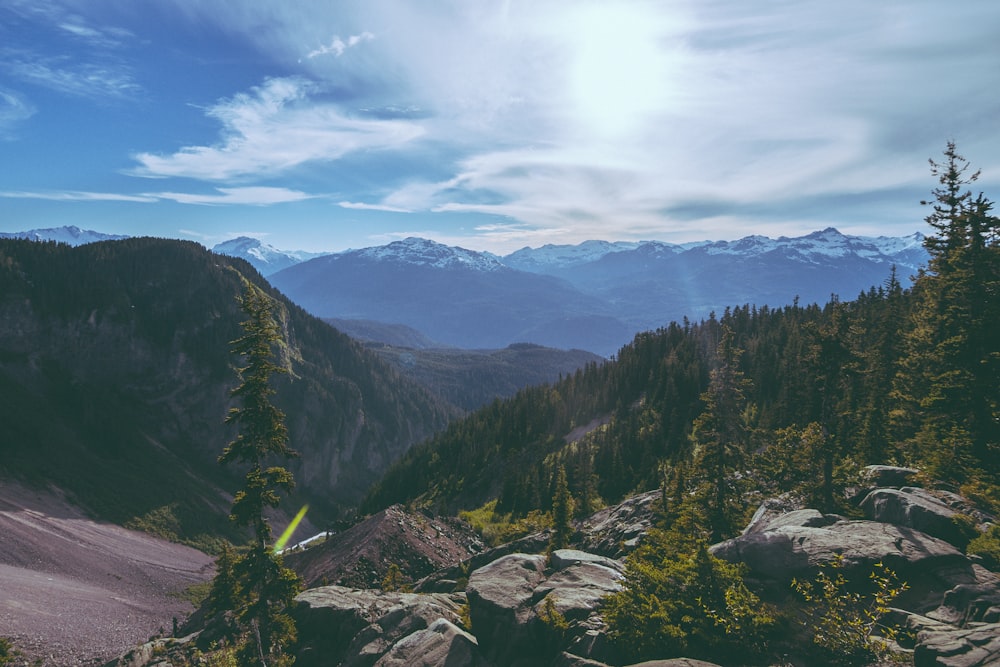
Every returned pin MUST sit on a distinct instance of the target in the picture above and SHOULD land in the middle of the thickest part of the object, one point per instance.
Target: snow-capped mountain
(594, 296)
(455, 296)
(827, 243)
(424, 252)
(265, 258)
(550, 257)
(70, 235)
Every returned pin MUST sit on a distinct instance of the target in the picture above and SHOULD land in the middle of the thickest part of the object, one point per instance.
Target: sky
(323, 125)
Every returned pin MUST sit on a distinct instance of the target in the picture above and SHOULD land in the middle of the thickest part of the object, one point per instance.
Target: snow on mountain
(70, 235)
(563, 256)
(424, 252)
(265, 258)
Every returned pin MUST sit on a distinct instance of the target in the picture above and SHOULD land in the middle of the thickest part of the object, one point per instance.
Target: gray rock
(442, 644)
(501, 596)
(795, 551)
(563, 558)
(614, 531)
(356, 627)
(916, 508)
(881, 476)
(977, 646)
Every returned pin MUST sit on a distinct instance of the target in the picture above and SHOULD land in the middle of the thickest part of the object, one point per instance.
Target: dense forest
(758, 400)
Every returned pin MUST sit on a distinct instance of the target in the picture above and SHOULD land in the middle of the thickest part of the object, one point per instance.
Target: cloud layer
(504, 123)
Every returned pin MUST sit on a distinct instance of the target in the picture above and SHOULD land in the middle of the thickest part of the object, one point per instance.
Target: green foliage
(394, 580)
(497, 529)
(678, 600)
(987, 546)
(7, 652)
(845, 623)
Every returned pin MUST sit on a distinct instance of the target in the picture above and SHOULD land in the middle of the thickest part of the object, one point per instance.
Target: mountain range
(593, 296)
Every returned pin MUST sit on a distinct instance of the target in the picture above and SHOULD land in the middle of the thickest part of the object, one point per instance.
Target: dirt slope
(77, 592)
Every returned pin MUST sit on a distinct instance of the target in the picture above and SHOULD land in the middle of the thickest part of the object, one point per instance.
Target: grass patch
(497, 529)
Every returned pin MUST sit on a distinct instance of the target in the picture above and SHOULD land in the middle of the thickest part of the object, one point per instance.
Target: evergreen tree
(720, 434)
(266, 588)
(947, 391)
(562, 512)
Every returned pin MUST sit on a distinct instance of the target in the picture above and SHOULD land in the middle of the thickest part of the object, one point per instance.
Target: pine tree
(562, 512)
(720, 433)
(947, 391)
(267, 588)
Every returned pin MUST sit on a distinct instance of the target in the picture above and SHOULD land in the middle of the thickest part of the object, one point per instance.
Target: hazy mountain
(265, 258)
(472, 378)
(452, 295)
(593, 296)
(115, 374)
(70, 235)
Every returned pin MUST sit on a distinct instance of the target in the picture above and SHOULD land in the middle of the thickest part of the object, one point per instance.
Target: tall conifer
(266, 587)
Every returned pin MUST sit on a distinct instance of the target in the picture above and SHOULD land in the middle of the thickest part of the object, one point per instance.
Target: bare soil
(74, 591)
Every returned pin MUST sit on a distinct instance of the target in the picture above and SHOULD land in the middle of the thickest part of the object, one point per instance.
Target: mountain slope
(473, 378)
(455, 296)
(115, 374)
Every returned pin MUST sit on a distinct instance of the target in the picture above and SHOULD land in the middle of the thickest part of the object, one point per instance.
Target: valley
(428, 465)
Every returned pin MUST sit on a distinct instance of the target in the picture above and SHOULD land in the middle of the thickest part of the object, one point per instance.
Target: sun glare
(619, 69)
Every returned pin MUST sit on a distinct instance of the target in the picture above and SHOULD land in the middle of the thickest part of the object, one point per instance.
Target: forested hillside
(758, 400)
(115, 373)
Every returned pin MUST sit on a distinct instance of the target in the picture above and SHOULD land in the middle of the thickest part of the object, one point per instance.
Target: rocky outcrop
(344, 626)
(534, 610)
(795, 545)
(614, 531)
(952, 607)
(935, 513)
(361, 556)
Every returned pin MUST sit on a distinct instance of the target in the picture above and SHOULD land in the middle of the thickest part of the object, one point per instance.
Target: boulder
(357, 627)
(976, 646)
(500, 598)
(442, 644)
(919, 509)
(796, 546)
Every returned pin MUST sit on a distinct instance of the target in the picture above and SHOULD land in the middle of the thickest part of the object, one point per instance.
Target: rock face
(936, 514)
(344, 626)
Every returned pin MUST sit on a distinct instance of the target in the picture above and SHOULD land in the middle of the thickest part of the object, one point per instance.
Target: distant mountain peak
(264, 257)
(420, 251)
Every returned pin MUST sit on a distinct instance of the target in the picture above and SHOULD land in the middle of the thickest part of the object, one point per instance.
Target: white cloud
(72, 77)
(252, 196)
(13, 111)
(274, 128)
(359, 206)
(337, 46)
(76, 195)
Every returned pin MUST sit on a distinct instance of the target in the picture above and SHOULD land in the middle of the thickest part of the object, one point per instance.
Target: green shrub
(987, 546)
(845, 623)
(688, 604)
(7, 652)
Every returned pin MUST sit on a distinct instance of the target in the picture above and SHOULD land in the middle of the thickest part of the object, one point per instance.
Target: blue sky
(322, 125)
